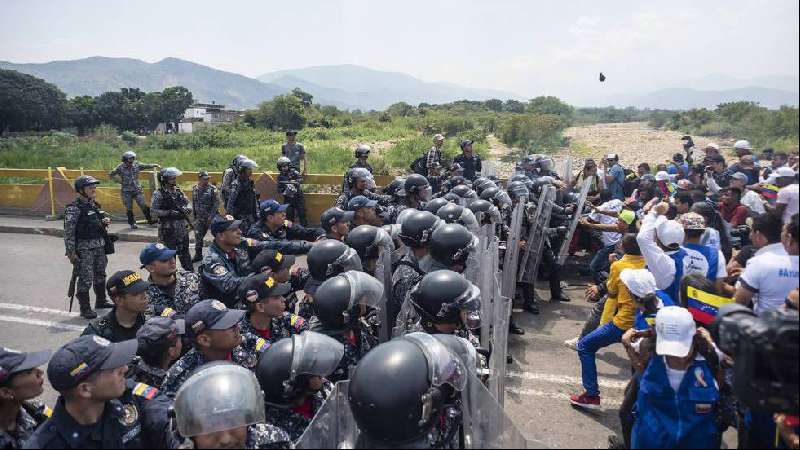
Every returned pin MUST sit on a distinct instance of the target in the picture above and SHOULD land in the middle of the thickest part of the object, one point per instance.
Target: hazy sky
(528, 47)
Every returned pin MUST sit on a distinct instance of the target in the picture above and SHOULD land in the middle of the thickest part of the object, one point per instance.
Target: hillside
(93, 76)
(685, 98)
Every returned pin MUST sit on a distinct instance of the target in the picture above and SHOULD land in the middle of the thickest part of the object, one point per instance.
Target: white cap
(781, 172)
(662, 176)
(742, 145)
(675, 330)
(640, 282)
(713, 145)
(670, 233)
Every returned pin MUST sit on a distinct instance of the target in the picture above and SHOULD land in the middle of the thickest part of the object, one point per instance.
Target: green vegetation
(739, 120)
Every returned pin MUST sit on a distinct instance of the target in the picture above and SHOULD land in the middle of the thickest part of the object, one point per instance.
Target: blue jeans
(600, 263)
(587, 349)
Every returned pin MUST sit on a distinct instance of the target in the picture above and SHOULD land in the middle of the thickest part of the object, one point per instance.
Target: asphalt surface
(33, 316)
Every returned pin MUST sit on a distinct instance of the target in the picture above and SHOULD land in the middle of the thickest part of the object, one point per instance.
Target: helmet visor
(470, 306)
(348, 261)
(365, 290)
(315, 354)
(444, 367)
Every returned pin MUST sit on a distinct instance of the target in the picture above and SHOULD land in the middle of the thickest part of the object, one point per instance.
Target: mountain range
(356, 87)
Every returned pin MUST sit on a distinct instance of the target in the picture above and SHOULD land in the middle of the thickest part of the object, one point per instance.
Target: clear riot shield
(333, 425)
(532, 256)
(486, 425)
(566, 171)
(485, 281)
(499, 344)
(383, 272)
(564, 250)
(511, 258)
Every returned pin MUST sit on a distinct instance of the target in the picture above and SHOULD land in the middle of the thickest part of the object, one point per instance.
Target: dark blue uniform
(290, 238)
(472, 165)
(221, 274)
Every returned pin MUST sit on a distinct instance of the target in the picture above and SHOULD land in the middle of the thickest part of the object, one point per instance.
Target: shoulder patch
(262, 345)
(297, 322)
(145, 391)
(47, 411)
(219, 270)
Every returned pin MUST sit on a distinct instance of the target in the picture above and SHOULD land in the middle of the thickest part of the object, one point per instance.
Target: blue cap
(155, 252)
(220, 224)
(76, 361)
(158, 330)
(13, 362)
(359, 202)
(211, 315)
(271, 207)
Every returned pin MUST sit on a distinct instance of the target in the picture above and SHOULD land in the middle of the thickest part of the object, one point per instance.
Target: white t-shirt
(771, 274)
(675, 377)
(608, 238)
(754, 201)
(789, 196)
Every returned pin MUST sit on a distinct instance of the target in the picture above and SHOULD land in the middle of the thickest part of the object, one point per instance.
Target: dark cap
(359, 202)
(333, 216)
(211, 315)
(155, 252)
(158, 330)
(465, 143)
(13, 362)
(273, 259)
(221, 224)
(126, 282)
(84, 356)
(268, 207)
(203, 174)
(261, 286)
(291, 132)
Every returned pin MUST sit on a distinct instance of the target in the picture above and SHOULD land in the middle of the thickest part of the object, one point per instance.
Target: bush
(534, 132)
(129, 138)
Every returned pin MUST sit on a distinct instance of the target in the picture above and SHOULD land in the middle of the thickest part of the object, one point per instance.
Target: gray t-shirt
(295, 152)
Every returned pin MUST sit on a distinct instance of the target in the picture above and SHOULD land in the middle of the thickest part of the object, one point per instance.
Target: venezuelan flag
(704, 306)
(146, 391)
(770, 192)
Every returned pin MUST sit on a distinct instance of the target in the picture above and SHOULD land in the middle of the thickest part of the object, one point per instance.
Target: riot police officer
(127, 174)
(20, 384)
(336, 223)
(228, 176)
(98, 408)
(292, 374)
(172, 291)
(242, 203)
(287, 237)
(450, 247)
(328, 259)
(416, 232)
(160, 345)
(221, 406)
(84, 239)
(359, 182)
(362, 155)
(290, 187)
(369, 242)
(350, 308)
(172, 208)
(418, 192)
(205, 205)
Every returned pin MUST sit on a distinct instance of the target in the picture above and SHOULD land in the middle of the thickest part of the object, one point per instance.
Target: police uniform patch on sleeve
(218, 305)
(250, 242)
(219, 270)
(130, 414)
(168, 312)
(145, 391)
(48, 411)
(262, 345)
(278, 256)
(297, 322)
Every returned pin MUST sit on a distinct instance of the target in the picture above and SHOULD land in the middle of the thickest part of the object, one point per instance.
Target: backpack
(420, 165)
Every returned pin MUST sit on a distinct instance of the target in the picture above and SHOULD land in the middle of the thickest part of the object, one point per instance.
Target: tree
(306, 98)
(514, 106)
(494, 105)
(401, 109)
(549, 105)
(30, 103)
(174, 102)
(83, 113)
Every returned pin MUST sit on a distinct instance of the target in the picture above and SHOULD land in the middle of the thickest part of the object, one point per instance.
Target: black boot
(198, 255)
(100, 301)
(147, 216)
(86, 308)
(557, 293)
(514, 329)
(529, 293)
(559, 296)
(131, 220)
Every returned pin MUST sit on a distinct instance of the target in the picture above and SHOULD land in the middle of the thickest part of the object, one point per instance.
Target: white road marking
(563, 379)
(42, 323)
(607, 402)
(36, 309)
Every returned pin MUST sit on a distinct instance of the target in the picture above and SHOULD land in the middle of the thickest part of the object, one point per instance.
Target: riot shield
(333, 425)
(499, 344)
(383, 272)
(511, 258)
(564, 250)
(485, 281)
(566, 171)
(539, 221)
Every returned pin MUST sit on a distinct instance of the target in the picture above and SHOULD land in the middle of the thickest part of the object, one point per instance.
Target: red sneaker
(585, 401)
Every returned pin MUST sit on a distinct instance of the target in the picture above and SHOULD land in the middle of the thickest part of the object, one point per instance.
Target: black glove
(175, 215)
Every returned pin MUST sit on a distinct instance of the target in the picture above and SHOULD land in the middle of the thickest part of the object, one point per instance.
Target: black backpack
(420, 165)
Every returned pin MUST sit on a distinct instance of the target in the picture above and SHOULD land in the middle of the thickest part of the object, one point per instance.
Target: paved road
(33, 316)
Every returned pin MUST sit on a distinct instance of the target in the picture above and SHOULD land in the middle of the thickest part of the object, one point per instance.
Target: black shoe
(509, 359)
(615, 443)
(560, 297)
(532, 308)
(87, 313)
(513, 329)
(103, 304)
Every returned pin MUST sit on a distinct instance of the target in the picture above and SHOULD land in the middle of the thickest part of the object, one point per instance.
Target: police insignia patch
(160, 246)
(129, 415)
(103, 342)
(218, 305)
(219, 270)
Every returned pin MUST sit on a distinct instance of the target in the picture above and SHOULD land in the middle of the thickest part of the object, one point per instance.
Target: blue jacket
(712, 256)
(645, 321)
(686, 419)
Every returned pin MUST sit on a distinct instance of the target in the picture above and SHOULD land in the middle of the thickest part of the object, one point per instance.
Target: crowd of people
(241, 347)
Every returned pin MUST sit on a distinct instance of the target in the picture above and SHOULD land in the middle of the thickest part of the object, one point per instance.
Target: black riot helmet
(518, 190)
(330, 258)
(451, 245)
(363, 239)
(463, 191)
(480, 206)
(434, 205)
(83, 181)
(452, 182)
(418, 228)
(128, 156)
(418, 185)
(338, 301)
(490, 193)
(395, 188)
(482, 184)
(362, 151)
(284, 368)
(421, 376)
(451, 213)
(442, 296)
(168, 174)
(485, 212)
